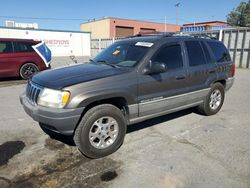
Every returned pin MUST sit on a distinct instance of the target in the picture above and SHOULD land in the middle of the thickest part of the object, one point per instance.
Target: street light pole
(177, 12)
(165, 24)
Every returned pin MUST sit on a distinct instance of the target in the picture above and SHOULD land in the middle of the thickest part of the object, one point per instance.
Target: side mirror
(155, 68)
(72, 57)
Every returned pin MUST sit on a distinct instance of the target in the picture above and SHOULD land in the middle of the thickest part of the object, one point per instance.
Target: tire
(101, 131)
(213, 101)
(28, 70)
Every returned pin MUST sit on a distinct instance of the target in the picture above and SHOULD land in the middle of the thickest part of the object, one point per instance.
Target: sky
(69, 14)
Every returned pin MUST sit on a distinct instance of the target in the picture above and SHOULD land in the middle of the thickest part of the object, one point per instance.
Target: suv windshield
(123, 55)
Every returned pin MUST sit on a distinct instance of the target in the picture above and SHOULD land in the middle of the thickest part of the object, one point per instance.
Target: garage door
(147, 30)
(124, 31)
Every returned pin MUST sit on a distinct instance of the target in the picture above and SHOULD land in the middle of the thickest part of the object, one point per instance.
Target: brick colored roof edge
(115, 18)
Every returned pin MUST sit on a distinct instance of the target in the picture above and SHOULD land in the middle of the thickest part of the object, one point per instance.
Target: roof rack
(195, 35)
(148, 34)
(173, 34)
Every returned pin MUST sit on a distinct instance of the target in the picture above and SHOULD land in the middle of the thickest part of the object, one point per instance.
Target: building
(21, 25)
(109, 27)
(205, 26)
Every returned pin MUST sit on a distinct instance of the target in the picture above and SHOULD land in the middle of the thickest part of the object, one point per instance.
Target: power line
(69, 19)
(81, 19)
(45, 18)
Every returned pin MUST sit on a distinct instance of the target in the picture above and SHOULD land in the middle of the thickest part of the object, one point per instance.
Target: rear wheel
(214, 100)
(101, 131)
(28, 70)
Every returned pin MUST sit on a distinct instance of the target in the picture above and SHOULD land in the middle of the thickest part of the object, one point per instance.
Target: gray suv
(130, 81)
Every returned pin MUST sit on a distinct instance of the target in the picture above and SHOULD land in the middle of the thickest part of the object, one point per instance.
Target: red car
(18, 58)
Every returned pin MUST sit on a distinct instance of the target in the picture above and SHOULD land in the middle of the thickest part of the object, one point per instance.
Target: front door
(6, 60)
(160, 92)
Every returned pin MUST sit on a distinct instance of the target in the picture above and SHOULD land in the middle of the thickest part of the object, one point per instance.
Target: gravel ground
(182, 149)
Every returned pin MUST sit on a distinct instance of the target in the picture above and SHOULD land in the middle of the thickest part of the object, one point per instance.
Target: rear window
(6, 47)
(23, 47)
(195, 53)
(220, 52)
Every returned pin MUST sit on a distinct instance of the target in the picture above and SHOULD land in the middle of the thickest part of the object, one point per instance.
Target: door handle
(211, 71)
(180, 77)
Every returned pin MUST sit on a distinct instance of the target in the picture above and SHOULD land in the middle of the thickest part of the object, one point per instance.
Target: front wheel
(28, 70)
(213, 101)
(101, 131)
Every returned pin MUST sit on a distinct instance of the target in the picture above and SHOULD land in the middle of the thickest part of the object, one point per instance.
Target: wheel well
(223, 82)
(27, 63)
(119, 102)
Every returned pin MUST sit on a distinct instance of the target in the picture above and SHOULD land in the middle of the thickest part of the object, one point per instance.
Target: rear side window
(195, 53)
(220, 52)
(206, 52)
(6, 47)
(23, 47)
(171, 56)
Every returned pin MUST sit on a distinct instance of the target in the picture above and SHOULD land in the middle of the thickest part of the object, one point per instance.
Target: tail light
(233, 70)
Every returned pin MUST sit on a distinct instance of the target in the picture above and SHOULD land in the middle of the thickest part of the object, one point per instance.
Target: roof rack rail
(148, 34)
(174, 34)
(195, 35)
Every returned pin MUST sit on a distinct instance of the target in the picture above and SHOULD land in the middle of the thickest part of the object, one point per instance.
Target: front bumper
(63, 121)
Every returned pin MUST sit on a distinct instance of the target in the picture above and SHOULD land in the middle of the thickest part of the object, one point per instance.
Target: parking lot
(182, 149)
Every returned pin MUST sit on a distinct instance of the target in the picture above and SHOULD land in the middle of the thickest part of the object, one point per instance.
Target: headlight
(53, 98)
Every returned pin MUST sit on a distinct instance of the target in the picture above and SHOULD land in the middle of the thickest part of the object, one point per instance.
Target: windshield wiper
(107, 63)
(91, 60)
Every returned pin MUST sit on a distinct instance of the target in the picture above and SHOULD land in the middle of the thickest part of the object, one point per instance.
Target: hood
(67, 76)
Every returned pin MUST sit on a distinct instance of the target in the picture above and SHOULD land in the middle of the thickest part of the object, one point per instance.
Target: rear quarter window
(220, 52)
(23, 47)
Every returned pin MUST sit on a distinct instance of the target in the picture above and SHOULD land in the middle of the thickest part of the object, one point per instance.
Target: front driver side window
(170, 55)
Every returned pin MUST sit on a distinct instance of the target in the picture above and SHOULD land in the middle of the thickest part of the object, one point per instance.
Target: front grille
(32, 92)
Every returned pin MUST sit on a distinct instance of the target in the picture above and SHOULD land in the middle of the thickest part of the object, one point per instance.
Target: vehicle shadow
(158, 120)
(11, 81)
(68, 140)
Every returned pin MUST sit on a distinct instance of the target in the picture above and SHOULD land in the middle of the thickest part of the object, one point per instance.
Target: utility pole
(165, 24)
(177, 12)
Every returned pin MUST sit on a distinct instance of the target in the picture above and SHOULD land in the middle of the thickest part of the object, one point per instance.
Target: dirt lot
(183, 149)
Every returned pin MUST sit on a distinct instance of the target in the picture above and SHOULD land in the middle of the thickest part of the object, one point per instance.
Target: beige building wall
(98, 29)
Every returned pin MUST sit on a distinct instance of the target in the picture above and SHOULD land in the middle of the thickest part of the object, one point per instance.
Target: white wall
(61, 43)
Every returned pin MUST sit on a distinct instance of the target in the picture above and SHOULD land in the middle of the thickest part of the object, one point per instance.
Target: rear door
(222, 59)
(6, 59)
(159, 92)
(201, 71)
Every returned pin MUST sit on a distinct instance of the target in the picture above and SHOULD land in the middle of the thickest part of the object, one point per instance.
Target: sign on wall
(61, 43)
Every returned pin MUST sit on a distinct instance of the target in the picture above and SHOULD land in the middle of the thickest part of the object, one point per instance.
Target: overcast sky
(82, 10)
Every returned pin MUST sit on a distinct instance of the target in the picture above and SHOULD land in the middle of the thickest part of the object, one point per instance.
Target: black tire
(208, 109)
(82, 132)
(28, 70)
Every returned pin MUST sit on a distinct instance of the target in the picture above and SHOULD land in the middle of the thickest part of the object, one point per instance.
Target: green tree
(240, 16)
